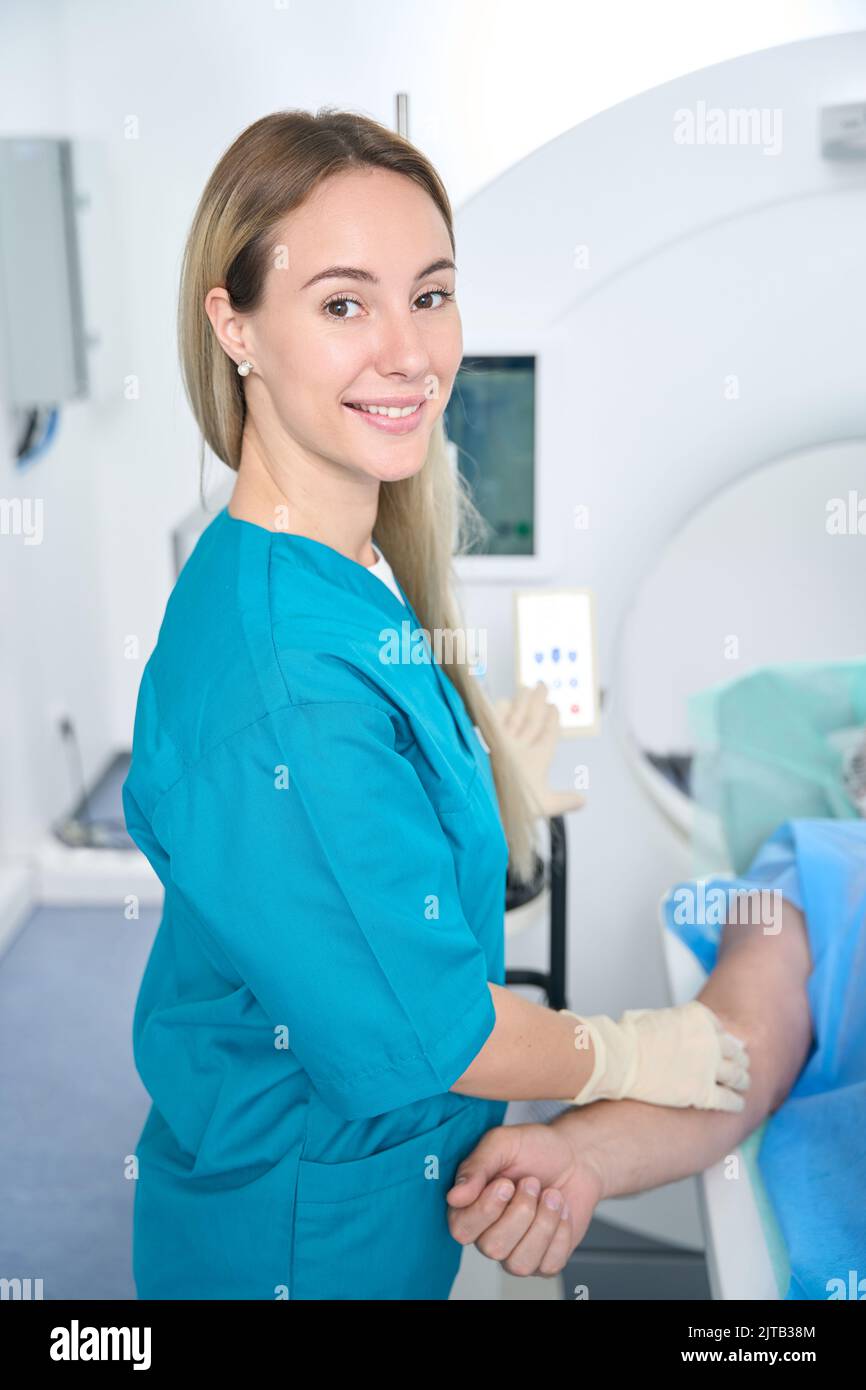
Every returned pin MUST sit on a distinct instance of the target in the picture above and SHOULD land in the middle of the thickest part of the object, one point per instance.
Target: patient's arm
(614, 1148)
(758, 991)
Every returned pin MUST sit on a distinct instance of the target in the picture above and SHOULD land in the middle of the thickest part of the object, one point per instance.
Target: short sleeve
(307, 848)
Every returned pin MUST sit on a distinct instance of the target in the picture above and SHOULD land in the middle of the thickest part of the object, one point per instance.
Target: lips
(413, 398)
(389, 424)
(374, 405)
(384, 405)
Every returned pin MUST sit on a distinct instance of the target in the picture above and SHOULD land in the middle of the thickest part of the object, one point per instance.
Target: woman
(322, 1025)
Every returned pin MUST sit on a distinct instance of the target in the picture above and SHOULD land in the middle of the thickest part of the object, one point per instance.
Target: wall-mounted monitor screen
(490, 419)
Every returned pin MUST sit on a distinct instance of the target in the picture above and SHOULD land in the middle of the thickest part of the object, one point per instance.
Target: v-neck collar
(370, 586)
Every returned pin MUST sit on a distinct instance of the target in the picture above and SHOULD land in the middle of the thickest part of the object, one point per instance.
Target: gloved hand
(530, 727)
(680, 1056)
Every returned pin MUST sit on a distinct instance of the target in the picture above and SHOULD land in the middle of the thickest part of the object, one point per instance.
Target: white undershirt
(383, 571)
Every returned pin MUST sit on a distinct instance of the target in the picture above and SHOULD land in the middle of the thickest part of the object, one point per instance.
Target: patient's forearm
(758, 991)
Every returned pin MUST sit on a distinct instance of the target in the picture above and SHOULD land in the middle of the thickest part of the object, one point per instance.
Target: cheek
(313, 352)
(326, 363)
(337, 355)
(445, 345)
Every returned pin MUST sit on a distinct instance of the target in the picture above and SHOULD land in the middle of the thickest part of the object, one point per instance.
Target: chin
(399, 468)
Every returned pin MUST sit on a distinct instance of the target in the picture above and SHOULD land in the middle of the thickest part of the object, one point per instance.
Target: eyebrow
(348, 272)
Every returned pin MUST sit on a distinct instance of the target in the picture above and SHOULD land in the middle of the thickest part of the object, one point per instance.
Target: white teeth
(394, 412)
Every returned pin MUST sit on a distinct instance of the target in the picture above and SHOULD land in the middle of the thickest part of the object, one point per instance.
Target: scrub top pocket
(377, 1227)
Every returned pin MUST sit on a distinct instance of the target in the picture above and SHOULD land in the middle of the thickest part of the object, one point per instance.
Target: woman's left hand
(531, 728)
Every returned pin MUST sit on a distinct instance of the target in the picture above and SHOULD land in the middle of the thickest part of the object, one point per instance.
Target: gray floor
(71, 1102)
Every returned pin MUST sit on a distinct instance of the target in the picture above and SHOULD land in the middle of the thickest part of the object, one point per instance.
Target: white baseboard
(98, 877)
(16, 900)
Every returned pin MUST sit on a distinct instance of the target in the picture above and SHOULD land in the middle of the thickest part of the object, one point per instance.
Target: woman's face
(358, 308)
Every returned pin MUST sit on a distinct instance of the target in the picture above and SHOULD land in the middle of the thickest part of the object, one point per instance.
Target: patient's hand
(521, 1231)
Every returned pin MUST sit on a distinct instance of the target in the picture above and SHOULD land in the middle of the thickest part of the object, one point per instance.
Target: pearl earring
(245, 368)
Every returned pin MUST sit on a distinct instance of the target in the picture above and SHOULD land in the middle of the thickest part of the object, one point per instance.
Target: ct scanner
(696, 312)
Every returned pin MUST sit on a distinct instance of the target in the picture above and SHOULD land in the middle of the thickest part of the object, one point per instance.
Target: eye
(346, 299)
(340, 299)
(444, 295)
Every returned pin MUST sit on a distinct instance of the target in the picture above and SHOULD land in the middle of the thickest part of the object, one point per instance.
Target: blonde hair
(268, 171)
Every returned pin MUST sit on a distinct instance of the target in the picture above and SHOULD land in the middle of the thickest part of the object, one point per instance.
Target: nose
(401, 346)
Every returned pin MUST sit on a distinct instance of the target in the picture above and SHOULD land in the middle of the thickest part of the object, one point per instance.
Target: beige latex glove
(530, 727)
(680, 1056)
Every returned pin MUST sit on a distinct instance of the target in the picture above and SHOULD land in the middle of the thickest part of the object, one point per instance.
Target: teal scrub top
(324, 822)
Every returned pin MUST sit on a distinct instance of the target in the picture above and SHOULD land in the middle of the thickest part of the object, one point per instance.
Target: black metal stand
(552, 981)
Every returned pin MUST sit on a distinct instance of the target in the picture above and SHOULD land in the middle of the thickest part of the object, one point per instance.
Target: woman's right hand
(679, 1056)
(530, 727)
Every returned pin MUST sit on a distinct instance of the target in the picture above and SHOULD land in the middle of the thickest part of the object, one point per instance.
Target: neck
(307, 496)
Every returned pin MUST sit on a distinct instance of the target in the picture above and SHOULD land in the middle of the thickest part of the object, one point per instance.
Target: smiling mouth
(393, 419)
(390, 412)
